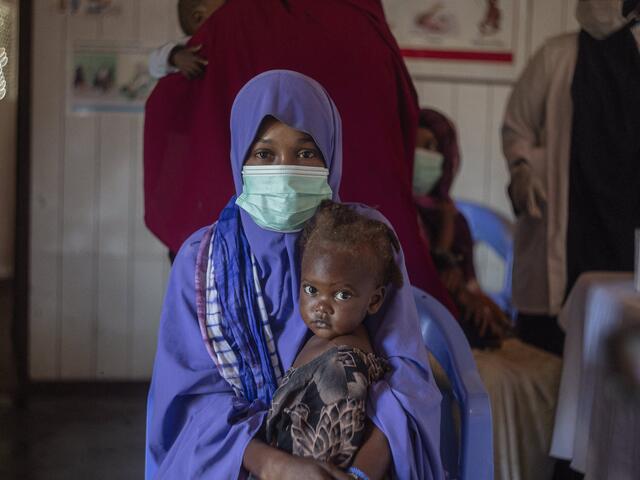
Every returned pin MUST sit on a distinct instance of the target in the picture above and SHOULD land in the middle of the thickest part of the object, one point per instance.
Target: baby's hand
(187, 60)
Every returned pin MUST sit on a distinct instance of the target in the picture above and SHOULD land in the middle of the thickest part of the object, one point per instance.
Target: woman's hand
(485, 315)
(453, 280)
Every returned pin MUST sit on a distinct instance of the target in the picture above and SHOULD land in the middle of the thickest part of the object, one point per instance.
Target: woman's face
(426, 139)
(278, 144)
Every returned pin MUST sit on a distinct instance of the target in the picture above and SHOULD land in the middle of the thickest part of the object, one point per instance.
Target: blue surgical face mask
(427, 170)
(283, 197)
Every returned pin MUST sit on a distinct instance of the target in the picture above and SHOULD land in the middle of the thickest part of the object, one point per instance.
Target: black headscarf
(604, 181)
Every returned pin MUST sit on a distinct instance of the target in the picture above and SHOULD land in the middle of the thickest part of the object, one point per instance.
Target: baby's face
(337, 290)
(203, 11)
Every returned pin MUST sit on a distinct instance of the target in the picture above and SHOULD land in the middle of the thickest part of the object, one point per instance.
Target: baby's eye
(310, 289)
(343, 295)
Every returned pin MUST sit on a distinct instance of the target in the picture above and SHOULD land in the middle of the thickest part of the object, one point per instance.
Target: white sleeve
(159, 59)
(524, 116)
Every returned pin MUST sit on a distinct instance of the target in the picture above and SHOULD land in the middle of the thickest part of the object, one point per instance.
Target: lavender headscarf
(191, 430)
(301, 103)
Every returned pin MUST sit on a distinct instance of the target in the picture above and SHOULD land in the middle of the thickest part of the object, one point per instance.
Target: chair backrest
(149, 466)
(495, 230)
(446, 342)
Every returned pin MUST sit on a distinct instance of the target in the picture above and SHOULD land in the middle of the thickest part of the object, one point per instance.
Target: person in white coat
(570, 136)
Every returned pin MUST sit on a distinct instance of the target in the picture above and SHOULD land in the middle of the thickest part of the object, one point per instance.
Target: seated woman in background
(522, 381)
(436, 163)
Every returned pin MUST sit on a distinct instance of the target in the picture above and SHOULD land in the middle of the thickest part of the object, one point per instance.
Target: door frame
(20, 325)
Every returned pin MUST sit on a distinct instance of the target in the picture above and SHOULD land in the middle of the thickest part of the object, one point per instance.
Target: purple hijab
(191, 430)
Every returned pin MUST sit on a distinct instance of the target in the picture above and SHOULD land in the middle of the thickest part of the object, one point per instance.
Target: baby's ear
(376, 300)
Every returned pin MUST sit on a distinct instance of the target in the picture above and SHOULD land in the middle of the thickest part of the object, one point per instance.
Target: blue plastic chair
(495, 230)
(472, 455)
(149, 468)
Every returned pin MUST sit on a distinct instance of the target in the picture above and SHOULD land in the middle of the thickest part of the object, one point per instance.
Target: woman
(522, 381)
(347, 46)
(436, 164)
(206, 406)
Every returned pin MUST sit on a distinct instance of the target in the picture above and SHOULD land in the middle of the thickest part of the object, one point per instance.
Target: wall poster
(460, 38)
(109, 81)
(92, 7)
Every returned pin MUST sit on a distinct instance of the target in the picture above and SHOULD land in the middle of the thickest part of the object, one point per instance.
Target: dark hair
(185, 9)
(341, 224)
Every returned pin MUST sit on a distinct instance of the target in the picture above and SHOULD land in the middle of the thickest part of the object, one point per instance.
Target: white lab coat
(537, 128)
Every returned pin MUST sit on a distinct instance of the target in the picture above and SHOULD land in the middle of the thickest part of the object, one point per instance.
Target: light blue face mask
(427, 170)
(283, 197)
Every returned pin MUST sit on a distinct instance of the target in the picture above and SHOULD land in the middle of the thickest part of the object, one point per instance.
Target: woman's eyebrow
(265, 140)
(305, 139)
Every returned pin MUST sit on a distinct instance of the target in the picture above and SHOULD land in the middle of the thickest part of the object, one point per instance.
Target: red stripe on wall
(502, 57)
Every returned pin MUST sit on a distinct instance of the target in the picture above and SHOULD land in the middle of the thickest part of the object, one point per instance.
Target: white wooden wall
(97, 275)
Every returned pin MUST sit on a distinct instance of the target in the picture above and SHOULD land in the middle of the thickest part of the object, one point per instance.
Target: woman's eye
(310, 290)
(263, 154)
(307, 154)
(343, 295)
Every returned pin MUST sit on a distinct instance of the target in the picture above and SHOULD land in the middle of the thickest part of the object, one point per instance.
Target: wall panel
(470, 118)
(121, 28)
(79, 246)
(81, 27)
(547, 20)
(159, 22)
(149, 266)
(116, 135)
(440, 96)
(49, 32)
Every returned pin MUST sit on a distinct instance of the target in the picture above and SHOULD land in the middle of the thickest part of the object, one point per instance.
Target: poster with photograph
(109, 81)
(93, 7)
(476, 37)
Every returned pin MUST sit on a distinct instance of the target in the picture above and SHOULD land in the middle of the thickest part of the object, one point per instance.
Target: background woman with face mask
(522, 381)
(231, 324)
(436, 163)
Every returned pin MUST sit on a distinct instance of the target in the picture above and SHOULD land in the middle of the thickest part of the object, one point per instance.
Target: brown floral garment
(319, 409)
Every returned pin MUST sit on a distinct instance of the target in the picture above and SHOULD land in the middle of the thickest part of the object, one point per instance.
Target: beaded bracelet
(357, 474)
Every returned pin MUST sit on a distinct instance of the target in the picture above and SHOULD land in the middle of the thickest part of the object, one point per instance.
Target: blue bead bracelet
(357, 473)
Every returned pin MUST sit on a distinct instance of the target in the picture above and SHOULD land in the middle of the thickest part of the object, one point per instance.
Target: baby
(347, 268)
(176, 56)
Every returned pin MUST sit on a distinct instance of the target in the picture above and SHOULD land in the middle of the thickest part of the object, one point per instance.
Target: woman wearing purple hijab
(231, 325)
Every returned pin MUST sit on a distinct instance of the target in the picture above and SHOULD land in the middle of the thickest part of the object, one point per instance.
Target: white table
(594, 428)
